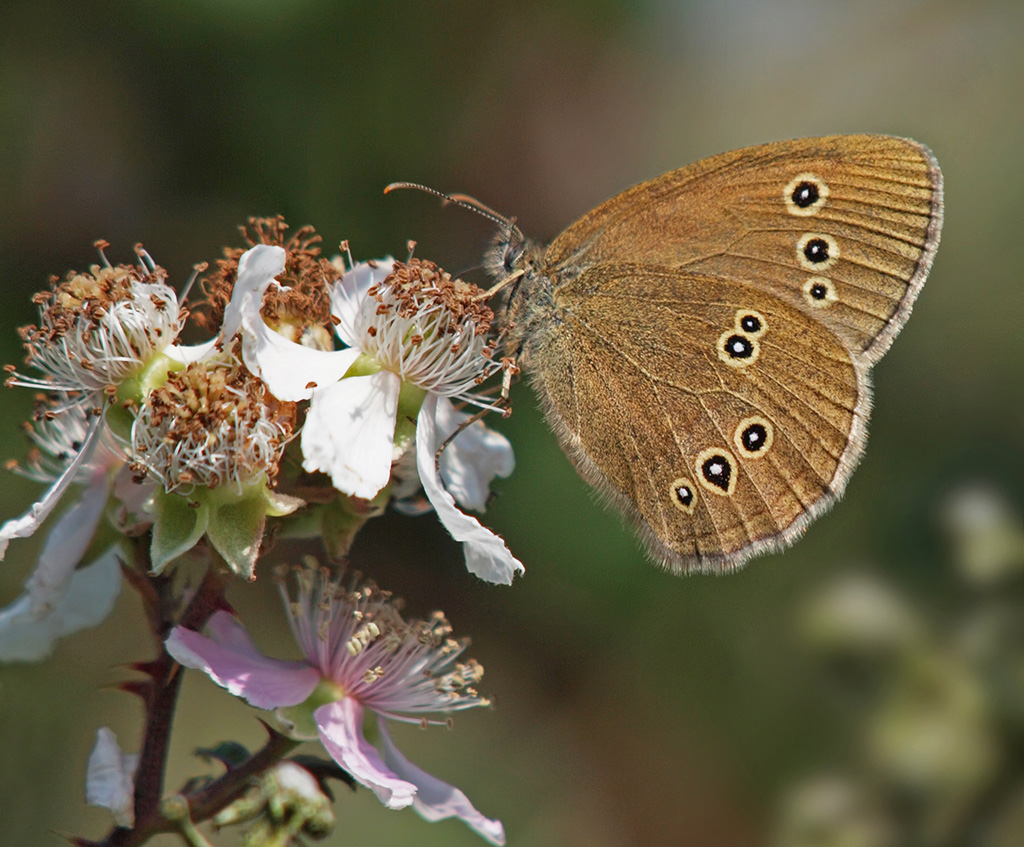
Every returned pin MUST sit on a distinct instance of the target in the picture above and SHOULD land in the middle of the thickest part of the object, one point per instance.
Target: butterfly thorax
(529, 313)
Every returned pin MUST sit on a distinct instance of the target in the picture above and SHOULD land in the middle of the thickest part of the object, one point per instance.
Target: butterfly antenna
(508, 226)
(463, 200)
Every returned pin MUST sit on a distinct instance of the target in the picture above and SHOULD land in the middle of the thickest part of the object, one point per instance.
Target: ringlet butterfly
(702, 342)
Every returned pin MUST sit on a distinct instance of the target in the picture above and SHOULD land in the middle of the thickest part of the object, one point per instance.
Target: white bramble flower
(191, 418)
(416, 339)
(104, 335)
(98, 329)
(360, 655)
(210, 425)
(212, 437)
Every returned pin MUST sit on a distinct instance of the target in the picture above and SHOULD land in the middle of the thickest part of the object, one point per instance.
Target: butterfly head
(509, 252)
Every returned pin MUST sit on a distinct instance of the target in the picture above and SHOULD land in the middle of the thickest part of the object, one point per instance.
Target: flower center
(99, 328)
(209, 425)
(430, 329)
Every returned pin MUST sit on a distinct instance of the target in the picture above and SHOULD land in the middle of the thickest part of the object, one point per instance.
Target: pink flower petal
(350, 432)
(486, 553)
(435, 799)
(231, 660)
(341, 732)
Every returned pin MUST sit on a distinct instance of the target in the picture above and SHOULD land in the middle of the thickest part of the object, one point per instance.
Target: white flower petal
(350, 432)
(28, 635)
(435, 799)
(486, 553)
(256, 271)
(291, 371)
(186, 355)
(110, 778)
(66, 544)
(348, 297)
(473, 459)
(29, 522)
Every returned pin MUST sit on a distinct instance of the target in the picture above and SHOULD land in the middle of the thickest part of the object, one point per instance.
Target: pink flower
(360, 655)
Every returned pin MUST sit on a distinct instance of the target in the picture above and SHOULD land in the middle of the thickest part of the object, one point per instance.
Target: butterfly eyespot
(805, 195)
(819, 292)
(816, 251)
(683, 496)
(737, 349)
(751, 323)
(716, 471)
(753, 437)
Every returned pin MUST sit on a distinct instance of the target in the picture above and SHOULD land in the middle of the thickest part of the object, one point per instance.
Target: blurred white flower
(110, 778)
(59, 599)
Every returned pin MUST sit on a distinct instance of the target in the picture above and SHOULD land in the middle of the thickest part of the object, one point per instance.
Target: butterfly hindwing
(717, 417)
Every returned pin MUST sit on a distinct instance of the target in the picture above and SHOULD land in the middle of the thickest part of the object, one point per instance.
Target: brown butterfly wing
(638, 380)
(843, 228)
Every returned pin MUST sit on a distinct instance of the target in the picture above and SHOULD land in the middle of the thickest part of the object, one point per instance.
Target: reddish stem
(160, 691)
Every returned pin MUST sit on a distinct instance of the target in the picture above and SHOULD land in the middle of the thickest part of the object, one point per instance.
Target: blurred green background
(632, 707)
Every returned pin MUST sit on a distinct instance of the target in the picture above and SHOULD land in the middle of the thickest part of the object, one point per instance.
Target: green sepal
(305, 524)
(410, 399)
(178, 524)
(363, 366)
(345, 516)
(152, 375)
(279, 505)
(236, 527)
(298, 720)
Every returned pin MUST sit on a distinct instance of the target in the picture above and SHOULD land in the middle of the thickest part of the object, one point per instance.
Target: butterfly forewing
(843, 227)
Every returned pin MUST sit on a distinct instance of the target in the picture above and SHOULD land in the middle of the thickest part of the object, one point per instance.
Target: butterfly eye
(715, 471)
(816, 251)
(753, 437)
(805, 194)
